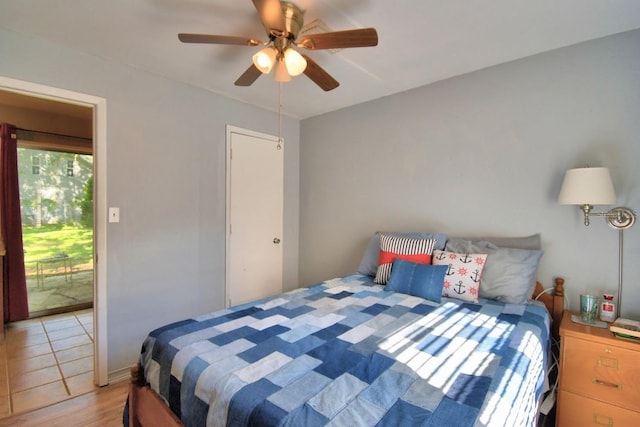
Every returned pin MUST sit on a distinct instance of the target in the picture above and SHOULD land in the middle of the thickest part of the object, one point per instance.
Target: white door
(254, 216)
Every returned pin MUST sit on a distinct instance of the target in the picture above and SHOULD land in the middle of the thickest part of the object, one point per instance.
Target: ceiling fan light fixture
(295, 63)
(283, 21)
(264, 59)
(280, 74)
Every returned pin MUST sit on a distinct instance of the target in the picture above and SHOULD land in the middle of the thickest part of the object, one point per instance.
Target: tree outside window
(53, 187)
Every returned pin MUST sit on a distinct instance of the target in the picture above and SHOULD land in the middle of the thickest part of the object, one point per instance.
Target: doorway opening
(56, 200)
(67, 102)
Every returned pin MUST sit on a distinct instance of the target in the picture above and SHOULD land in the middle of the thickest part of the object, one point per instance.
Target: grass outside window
(48, 241)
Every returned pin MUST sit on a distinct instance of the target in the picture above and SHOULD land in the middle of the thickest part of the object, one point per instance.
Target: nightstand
(599, 378)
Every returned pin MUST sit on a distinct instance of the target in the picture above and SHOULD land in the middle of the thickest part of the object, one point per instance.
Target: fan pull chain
(279, 147)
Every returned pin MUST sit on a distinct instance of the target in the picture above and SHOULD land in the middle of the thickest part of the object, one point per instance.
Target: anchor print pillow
(462, 280)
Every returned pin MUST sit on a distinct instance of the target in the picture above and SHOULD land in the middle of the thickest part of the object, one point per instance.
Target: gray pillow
(369, 263)
(509, 274)
(528, 242)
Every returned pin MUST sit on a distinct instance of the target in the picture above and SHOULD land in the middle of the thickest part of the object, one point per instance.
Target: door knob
(276, 240)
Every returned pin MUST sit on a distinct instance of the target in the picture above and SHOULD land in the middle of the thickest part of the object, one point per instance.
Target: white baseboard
(119, 375)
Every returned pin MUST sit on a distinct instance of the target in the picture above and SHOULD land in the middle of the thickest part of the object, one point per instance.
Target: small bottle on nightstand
(607, 309)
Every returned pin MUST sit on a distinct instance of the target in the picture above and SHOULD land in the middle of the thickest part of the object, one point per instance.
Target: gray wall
(166, 172)
(483, 154)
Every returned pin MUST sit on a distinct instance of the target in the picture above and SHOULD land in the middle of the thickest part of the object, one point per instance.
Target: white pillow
(463, 278)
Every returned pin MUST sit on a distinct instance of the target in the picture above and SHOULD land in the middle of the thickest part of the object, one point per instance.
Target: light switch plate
(114, 214)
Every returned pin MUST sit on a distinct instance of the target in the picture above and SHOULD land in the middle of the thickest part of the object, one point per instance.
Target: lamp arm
(619, 218)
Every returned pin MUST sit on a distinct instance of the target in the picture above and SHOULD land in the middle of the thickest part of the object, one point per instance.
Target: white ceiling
(420, 41)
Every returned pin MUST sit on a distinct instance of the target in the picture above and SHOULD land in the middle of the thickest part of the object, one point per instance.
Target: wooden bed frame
(147, 409)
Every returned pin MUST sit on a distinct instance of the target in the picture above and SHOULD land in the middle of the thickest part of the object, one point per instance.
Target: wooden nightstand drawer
(601, 371)
(580, 411)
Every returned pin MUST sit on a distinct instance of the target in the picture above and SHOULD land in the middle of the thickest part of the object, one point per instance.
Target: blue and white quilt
(347, 353)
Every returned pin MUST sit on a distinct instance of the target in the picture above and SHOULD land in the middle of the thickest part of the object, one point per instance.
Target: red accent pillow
(388, 257)
(392, 247)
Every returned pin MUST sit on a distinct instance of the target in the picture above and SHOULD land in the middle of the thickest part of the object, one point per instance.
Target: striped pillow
(392, 247)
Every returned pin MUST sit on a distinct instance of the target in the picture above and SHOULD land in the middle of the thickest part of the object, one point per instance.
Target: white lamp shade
(264, 59)
(587, 186)
(280, 74)
(295, 62)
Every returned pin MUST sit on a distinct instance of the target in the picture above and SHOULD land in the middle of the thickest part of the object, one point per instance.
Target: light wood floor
(99, 408)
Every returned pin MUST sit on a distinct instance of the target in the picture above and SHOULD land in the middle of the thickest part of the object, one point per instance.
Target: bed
(352, 351)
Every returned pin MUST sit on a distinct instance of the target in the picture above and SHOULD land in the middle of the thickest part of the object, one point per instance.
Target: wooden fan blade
(271, 15)
(249, 76)
(362, 37)
(319, 75)
(215, 39)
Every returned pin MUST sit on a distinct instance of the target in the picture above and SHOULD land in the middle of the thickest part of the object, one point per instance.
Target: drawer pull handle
(605, 383)
(602, 420)
(608, 362)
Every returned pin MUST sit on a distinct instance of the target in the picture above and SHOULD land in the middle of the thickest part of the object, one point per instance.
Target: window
(69, 167)
(35, 165)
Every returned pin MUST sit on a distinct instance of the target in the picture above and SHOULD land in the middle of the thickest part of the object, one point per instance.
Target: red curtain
(16, 306)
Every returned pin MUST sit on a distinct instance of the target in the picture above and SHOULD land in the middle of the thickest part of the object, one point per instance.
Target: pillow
(462, 280)
(369, 263)
(392, 247)
(528, 242)
(420, 280)
(510, 273)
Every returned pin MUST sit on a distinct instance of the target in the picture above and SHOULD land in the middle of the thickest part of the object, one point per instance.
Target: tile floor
(46, 360)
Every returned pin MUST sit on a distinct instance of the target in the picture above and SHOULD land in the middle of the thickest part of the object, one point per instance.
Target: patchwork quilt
(347, 353)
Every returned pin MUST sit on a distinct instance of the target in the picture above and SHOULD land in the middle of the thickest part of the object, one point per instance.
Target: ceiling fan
(283, 21)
